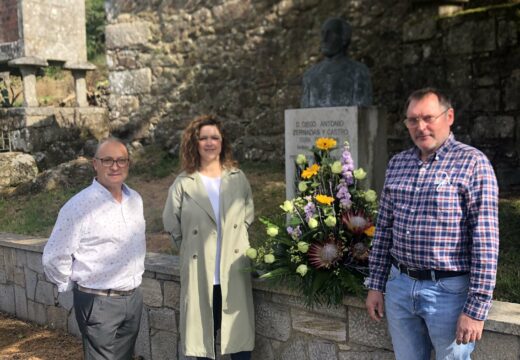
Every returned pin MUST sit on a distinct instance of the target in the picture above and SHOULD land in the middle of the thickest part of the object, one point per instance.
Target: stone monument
(363, 127)
(337, 80)
(336, 103)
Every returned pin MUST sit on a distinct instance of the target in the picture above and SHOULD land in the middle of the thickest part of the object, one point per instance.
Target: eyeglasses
(109, 162)
(215, 138)
(413, 122)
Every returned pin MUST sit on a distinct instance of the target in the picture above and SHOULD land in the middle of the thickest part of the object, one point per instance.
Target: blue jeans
(423, 315)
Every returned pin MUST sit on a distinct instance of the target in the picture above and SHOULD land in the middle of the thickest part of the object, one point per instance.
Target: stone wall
(285, 329)
(9, 21)
(244, 59)
(54, 135)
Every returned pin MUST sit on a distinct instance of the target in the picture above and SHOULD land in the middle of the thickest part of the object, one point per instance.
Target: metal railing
(5, 141)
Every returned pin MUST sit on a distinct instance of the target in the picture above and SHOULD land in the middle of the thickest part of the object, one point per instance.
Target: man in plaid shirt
(435, 250)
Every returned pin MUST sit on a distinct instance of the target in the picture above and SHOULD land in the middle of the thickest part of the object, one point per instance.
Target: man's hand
(375, 304)
(468, 329)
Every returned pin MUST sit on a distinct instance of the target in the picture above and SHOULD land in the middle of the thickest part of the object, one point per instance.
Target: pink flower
(326, 254)
(356, 221)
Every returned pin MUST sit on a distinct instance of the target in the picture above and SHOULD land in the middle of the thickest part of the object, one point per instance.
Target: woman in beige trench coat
(208, 211)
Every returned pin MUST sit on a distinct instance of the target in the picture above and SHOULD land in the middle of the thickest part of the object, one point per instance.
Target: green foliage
(54, 72)
(95, 22)
(154, 162)
(508, 286)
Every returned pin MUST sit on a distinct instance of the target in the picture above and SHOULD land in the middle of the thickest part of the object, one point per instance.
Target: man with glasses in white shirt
(97, 249)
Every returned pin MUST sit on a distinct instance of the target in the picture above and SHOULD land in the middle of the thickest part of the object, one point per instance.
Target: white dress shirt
(97, 242)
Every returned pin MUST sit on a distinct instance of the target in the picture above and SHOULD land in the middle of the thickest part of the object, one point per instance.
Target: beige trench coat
(189, 217)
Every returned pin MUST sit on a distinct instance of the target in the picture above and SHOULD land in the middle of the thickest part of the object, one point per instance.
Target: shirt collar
(441, 151)
(103, 190)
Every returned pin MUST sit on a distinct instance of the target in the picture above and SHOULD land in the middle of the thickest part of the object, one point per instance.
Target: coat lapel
(197, 191)
(228, 194)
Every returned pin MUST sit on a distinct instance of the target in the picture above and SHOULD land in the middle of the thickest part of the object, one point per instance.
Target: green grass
(34, 214)
(268, 187)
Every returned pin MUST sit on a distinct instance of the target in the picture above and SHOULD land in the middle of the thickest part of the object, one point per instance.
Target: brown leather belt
(108, 292)
(420, 274)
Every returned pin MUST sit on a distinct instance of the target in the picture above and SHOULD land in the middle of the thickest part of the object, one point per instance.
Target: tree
(95, 19)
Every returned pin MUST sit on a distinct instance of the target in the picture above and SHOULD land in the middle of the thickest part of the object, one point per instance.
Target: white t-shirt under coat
(212, 186)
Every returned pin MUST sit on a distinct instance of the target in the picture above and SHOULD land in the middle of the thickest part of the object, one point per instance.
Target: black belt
(419, 274)
(108, 292)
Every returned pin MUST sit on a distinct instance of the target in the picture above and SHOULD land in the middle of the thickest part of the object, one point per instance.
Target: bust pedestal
(363, 127)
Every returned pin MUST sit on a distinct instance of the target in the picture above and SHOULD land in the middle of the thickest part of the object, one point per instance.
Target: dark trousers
(108, 324)
(217, 320)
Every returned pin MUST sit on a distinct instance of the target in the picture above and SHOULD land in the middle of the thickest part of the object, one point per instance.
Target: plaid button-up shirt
(440, 214)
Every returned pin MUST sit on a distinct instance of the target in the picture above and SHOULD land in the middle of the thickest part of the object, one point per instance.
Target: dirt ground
(154, 193)
(25, 341)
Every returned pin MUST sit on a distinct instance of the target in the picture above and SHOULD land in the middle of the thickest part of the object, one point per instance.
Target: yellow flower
(324, 199)
(310, 171)
(370, 231)
(325, 143)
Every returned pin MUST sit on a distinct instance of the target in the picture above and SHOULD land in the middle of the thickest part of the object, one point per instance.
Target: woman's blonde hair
(190, 157)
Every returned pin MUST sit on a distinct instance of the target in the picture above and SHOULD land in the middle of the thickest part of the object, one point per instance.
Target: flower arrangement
(319, 244)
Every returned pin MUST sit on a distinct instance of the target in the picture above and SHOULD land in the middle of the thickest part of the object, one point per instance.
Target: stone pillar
(28, 67)
(80, 86)
(30, 99)
(79, 72)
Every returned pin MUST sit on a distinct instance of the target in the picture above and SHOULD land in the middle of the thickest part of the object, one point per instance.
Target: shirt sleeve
(58, 253)
(379, 259)
(483, 228)
(172, 213)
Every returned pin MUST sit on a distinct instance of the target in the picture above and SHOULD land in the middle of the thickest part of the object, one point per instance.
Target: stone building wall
(9, 21)
(244, 59)
(285, 329)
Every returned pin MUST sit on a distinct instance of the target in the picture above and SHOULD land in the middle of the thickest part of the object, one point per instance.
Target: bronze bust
(337, 80)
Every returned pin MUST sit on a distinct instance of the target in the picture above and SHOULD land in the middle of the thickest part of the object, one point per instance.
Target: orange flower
(324, 199)
(325, 143)
(310, 171)
(370, 231)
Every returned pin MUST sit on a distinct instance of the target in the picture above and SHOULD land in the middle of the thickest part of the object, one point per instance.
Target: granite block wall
(285, 328)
